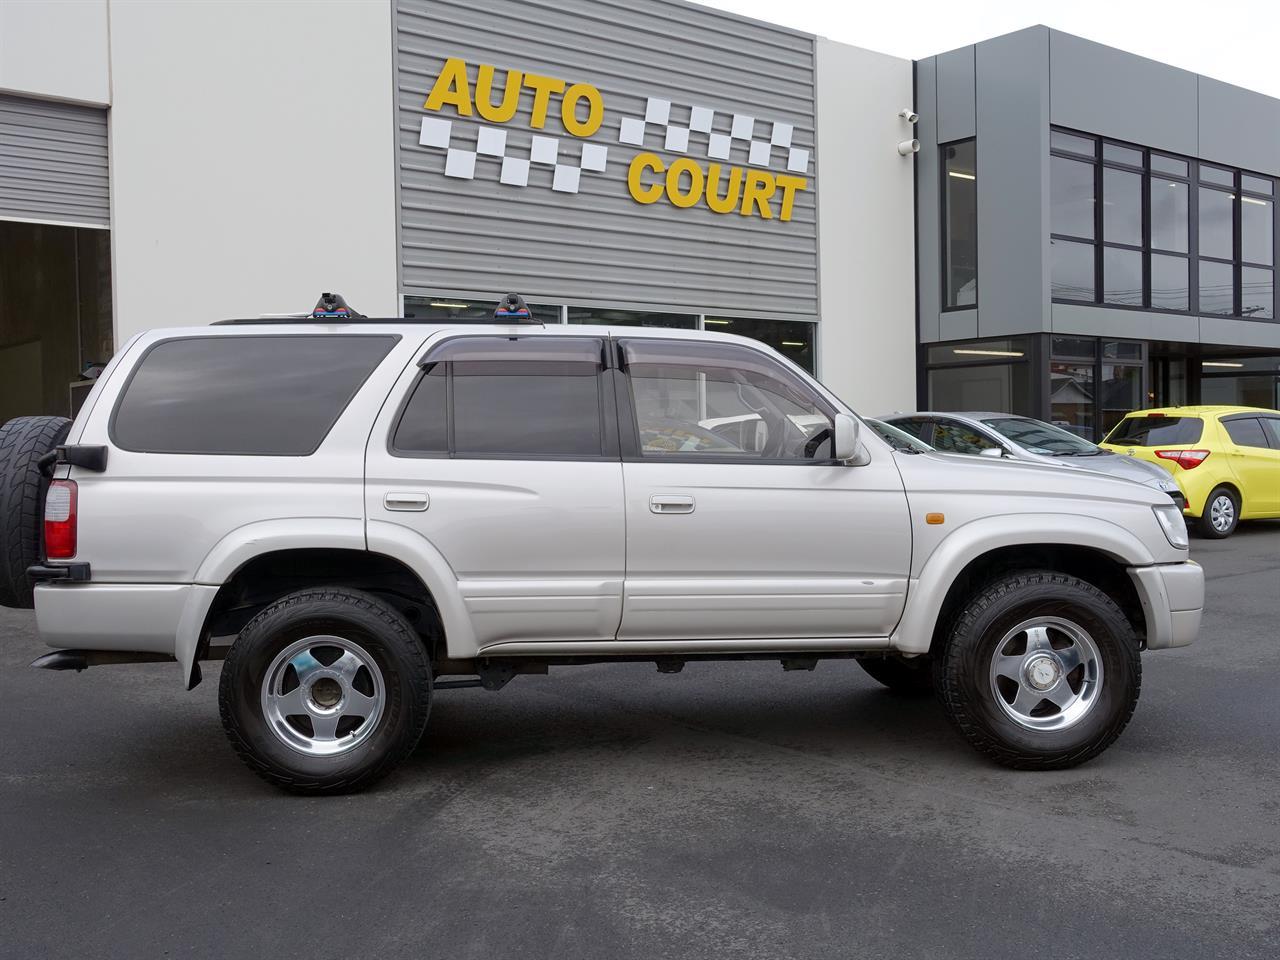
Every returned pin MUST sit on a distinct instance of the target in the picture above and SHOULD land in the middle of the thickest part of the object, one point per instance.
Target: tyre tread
(23, 441)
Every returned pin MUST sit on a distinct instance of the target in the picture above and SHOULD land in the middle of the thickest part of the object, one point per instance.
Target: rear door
(1255, 463)
(500, 453)
(749, 533)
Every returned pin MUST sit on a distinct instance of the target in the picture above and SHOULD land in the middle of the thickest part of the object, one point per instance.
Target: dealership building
(1081, 233)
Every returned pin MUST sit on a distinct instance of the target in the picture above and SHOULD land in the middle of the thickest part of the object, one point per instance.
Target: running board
(83, 659)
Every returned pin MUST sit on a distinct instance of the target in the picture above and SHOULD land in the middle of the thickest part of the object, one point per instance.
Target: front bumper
(1172, 596)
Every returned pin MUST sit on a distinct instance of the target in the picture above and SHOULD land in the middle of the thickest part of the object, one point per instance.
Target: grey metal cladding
(956, 92)
(1099, 89)
(1239, 127)
(928, 202)
(53, 162)
(599, 246)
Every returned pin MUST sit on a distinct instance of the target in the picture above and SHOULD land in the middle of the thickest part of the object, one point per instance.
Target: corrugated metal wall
(53, 162)
(598, 246)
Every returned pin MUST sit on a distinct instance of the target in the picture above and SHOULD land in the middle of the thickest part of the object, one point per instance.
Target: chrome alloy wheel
(323, 695)
(1046, 673)
(1222, 513)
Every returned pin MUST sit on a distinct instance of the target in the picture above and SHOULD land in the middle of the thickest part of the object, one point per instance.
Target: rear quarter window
(249, 395)
(1144, 431)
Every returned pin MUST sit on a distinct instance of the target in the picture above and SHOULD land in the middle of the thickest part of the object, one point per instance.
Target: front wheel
(1221, 515)
(1041, 671)
(325, 691)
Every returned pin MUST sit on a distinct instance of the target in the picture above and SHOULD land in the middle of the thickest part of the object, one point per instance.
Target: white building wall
(56, 50)
(867, 338)
(252, 159)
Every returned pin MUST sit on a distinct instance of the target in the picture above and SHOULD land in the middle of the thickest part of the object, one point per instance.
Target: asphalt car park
(610, 811)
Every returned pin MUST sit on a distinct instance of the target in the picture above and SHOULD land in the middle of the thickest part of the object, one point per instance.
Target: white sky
(1233, 40)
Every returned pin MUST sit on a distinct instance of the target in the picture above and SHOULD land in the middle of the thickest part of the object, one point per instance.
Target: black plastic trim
(83, 455)
(67, 572)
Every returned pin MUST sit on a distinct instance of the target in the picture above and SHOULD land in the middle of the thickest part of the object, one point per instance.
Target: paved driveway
(732, 810)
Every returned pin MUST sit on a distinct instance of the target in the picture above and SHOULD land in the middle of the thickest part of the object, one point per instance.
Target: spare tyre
(23, 441)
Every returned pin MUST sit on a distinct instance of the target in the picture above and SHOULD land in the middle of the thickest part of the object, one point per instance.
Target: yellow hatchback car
(1225, 459)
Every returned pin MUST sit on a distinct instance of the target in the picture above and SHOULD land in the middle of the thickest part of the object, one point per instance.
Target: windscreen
(255, 395)
(1040, 437)
(1148, 431)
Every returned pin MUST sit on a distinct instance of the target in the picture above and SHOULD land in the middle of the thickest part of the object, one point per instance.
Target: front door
(739, 525)
(500, 455)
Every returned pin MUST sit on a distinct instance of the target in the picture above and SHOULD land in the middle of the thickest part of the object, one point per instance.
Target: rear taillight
(60, 520)
(1186, 459)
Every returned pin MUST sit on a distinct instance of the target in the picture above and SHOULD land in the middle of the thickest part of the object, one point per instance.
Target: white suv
(355, 512)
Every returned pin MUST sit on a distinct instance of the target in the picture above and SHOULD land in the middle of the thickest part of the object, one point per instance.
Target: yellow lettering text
(504, 111)
(639, 164)
(760, 187)
(542, 88)
(677, 196)
(451, 88)
(569, 110)
(789, 185)
(726, 203)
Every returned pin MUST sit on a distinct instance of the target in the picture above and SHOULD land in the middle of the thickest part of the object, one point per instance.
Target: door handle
(670, 504)
(406, 501)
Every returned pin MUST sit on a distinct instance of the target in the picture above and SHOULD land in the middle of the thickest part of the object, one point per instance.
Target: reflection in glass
(1216, 293)
(1069, 142)
(1257, 293)
(794, 339)
(631, 318)
(449, 309)
(1217, 175)
(1168, 215)
(1121, 392)
(1172, 165)
(1215, 224)
(1122, 276)
(998, 387)
(1071, 397)
(1257, 225)
(960, 240)
(1119, 154)
(1071, 198)
(1256, 184)
(1071, 270)
(1170, 283)
(1122, 207)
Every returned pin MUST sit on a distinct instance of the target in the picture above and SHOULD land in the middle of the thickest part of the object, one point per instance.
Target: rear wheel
(23, 441)
(1041, 671)
(910, 675)
(1221, 514)
(325, 691)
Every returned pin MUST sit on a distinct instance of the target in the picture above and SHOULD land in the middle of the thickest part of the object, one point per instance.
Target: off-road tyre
(383, 633)
(962, 670)
(23, 441)
(910, 676)
(1229, 511)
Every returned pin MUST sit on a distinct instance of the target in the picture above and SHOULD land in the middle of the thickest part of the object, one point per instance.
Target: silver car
(1023, 438)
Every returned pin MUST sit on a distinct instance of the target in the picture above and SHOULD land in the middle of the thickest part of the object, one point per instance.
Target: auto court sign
(703, 174)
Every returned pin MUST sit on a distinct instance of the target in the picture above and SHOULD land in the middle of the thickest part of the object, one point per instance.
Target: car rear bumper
(1172, 596)
(164, 618)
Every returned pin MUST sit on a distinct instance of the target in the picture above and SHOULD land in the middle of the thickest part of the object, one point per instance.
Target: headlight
(1171, 522)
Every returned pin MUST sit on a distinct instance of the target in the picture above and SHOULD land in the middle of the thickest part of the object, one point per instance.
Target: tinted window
(1256, 293)
(1170, 288)
(1072, 267)
(1256, 226)
(1217, 294)
(1122, 276)
(1272, 426)
(1146, 431)
(955, 437)
(1246, 432)
(1168, 215)
(1071, 201)
(508, 396)
(1216, 211)
(960, 225)
(257, 395)
(1122, 207)
(715, 400)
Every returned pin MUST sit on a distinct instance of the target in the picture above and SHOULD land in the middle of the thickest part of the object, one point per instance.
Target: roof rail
(334, 309)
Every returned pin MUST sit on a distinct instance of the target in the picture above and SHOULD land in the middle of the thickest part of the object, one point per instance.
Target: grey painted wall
(598, 246)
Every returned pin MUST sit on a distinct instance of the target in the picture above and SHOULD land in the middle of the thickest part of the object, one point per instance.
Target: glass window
(1060, 140)
(1122, 350)
(717, 400)
(1121, 207)
(1170, 283)
(1074, 347)
(952, 436)
(1071, 397)
(1246, 432)
(1122, 276)
(532, 396)
(1168, 215)
(1272, 426)
(794, 339)
(1118, 154)
(1004, 387)
(251, 395)
(446, 309)
(1257, 226)
(1217, 294)
(1256, 184)
(632, 318)
(1257, 293)
(960, 225)
(1216, 208)
(1121, 391)
(1071, 197)
(1156, 430)
(1040, 437)
(424, 424)
(1217, 175)
(1071, 270)
(1163, 164)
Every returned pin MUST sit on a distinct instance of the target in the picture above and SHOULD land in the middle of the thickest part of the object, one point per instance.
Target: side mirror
(846, 437)
(993, 452)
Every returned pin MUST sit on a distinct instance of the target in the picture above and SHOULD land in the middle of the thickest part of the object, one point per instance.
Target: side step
(83, 659)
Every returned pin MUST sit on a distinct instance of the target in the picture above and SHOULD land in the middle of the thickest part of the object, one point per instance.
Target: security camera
(909, 115)
(908, 147)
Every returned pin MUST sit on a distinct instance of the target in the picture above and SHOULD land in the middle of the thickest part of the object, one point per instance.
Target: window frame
(606, 410)
(944, 239)
(629, 425)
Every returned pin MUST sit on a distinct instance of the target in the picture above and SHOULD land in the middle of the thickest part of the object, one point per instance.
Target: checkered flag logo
(742, 129)
(460, 161)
